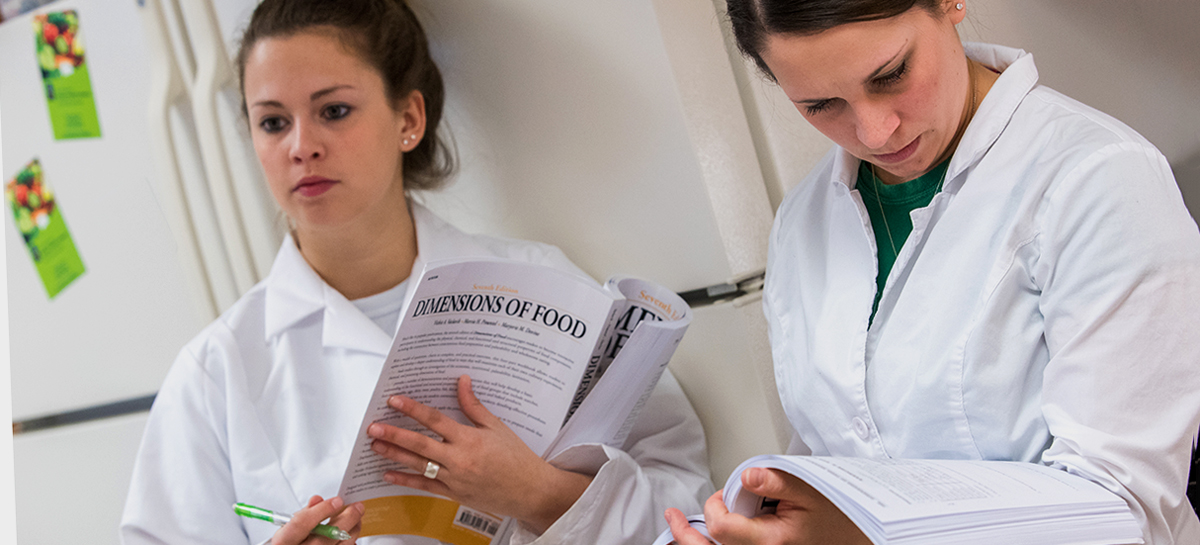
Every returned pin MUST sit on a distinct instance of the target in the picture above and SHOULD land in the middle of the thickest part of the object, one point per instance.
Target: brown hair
(754, 21)
(387, 35)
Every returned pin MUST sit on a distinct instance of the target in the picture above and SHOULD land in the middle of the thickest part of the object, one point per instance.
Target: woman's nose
(875, 124)
(306, 144)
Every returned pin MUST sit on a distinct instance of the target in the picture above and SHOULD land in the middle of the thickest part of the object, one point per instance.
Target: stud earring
(404, 142)
(958, 6)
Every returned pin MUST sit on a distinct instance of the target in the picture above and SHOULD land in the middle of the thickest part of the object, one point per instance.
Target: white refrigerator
(615, 130)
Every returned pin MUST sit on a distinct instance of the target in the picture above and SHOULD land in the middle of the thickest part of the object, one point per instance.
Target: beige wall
(1137, 60)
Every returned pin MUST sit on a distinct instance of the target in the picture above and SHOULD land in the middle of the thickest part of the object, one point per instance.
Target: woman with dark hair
(980, 269)
(263, 407)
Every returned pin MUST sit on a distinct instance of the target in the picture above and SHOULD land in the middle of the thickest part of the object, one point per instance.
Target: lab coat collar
(345, 326)
(294, 291)
(1018, 76)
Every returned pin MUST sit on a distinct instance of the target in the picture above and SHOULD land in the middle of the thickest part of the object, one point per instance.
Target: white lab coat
(1043, 309)
(263, 407)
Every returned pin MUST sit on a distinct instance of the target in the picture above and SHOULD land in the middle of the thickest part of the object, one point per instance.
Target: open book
(561, 360)
(950, 501)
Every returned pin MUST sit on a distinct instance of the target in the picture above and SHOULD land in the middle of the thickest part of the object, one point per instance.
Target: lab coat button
(860, 427)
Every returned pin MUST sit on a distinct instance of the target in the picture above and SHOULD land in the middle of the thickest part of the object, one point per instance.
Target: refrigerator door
(112, 333)
(71, 481)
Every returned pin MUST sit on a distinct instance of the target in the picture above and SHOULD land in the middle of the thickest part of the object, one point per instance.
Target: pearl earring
(404, 142)
(958, 6)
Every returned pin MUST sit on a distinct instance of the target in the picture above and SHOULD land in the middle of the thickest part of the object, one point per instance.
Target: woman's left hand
(485, 466)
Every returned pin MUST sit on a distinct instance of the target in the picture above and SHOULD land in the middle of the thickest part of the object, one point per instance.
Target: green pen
(324, 530)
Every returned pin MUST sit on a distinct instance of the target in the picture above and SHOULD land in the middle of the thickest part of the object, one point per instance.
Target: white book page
(522, 332)
(894, 490)
(947, 498)
(645, 337)
(900, 489)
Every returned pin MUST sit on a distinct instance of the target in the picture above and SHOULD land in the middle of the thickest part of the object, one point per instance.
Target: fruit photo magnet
(68, 89)
(41, 225)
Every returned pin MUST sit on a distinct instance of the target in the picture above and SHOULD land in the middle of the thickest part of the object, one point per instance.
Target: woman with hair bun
(980, 269)
(263, 406)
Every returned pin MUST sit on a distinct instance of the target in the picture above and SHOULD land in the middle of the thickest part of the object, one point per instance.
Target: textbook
(560, 359)
(950, 501)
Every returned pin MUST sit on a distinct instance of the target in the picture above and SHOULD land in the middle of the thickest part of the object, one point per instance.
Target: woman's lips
(313, 186)
(901, 154)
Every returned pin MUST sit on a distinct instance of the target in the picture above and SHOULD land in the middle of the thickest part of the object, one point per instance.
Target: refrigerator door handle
(185, 202)
(225, 129)
(176, 37)
(87, 414)
(213, 73)
(741, 290)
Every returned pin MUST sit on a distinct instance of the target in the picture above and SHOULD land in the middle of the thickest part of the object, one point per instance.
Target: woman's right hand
(298, 530)
(803, 516)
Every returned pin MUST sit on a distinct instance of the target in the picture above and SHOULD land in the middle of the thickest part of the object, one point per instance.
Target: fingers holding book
(802, 516)
(416, 452)
(483, 465)
(684, 530)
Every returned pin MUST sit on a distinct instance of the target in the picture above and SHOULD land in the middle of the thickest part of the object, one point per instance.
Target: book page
(645, 336)
(892, 489)
(523, 333)
(952, 501)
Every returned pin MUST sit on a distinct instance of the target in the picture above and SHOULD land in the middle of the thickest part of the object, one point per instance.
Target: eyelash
(333, 112)
(883, 81)
(814, 109)
(892, 78)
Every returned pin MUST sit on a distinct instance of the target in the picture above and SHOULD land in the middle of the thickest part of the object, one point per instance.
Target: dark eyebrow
(871, 77)
(879, 70)
(328, 90)
(312, 97)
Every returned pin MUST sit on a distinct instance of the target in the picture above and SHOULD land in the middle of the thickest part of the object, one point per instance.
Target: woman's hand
(804, 516)
(485, 466)
(298, 530)
(682, 531)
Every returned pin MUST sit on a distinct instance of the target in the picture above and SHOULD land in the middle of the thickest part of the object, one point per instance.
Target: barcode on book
(479, 522)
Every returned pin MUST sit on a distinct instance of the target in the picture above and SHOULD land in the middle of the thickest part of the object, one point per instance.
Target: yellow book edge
(426, 516)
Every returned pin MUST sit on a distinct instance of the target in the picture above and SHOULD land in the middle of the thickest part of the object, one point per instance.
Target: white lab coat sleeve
(182, 489)
(663, 464)
(1119, 268)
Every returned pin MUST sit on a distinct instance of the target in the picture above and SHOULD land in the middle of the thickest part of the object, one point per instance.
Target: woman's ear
(410, 114)
(957, 11)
